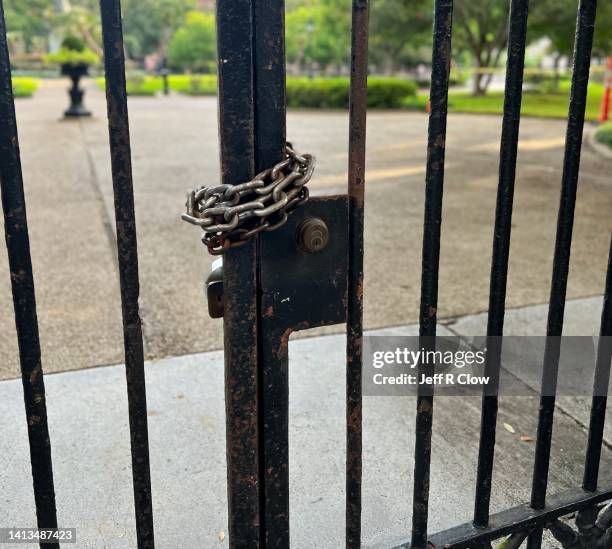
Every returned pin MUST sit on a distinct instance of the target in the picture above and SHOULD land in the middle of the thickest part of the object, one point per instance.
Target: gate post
(236, 133)
(270, 283)
(270, 139)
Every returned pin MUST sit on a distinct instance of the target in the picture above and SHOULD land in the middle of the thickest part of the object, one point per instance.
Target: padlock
(214, 289)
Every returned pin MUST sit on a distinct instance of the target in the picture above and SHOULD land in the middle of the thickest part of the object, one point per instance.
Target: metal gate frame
(256, 325)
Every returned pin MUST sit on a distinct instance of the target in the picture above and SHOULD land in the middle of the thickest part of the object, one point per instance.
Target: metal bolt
(313, 235)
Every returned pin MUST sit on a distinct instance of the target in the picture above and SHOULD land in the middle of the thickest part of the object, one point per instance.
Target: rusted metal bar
(290, 278)
(127, 251)
(501, 250)
(235, 37)
(434, 183)
(354, 338)
(24, 298)
(518, 519)
(270, 138)
(601, 381)
(565, 222)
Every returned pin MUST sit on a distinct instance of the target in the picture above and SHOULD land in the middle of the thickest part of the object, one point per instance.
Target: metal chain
(230, 215)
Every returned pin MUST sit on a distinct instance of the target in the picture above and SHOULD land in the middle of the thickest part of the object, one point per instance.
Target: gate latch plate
(304, 289)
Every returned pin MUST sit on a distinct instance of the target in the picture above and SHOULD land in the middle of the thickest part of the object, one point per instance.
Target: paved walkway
(90, 443)
(67, 179)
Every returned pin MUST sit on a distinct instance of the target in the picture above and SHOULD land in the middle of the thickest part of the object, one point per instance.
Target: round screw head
(313, 235)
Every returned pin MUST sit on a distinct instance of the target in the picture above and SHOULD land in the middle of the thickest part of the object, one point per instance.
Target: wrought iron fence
(257, 328)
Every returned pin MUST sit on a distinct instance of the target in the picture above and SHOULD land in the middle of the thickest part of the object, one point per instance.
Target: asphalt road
(174, 141)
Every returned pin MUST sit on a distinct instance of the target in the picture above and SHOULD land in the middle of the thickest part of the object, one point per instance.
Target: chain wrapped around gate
(230, 215)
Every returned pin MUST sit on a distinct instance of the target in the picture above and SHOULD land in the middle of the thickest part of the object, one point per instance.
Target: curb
(597, 148)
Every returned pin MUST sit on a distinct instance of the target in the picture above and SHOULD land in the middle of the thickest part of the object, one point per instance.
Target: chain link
(230, 215)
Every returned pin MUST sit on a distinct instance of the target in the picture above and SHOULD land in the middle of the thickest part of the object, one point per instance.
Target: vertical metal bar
(24, 299)
(601, 382)
(501, 249)
(121, 164)
(565, 222)
(240, 322)
(270, 138)
(356, 191)
(275, 428)
(434, 184)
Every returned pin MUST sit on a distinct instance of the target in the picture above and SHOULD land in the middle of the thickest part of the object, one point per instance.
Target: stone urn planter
(74, 60)
(75, 72)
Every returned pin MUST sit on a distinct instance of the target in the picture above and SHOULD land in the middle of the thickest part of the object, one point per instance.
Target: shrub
(604, 134)
(194, 84)
(317, 93)
(73, 52)
(324, 93)
(138, 84)
(545, 81)
(24, 87)
(145, 85)
(73, 43)
(388, 93)
(72, 57)
(333, 93)
(457, 77)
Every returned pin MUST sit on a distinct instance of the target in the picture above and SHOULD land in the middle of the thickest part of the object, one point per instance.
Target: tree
(27, 20)
(192, 46)
(556, 20)
(79, 18)
(149, 24)
(318, 33)
(399, 31)
(481, 27)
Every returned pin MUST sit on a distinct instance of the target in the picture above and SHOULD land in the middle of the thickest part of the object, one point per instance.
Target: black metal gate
(324, 288)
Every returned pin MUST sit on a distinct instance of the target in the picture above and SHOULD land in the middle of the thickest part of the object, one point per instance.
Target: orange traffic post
(605, 100)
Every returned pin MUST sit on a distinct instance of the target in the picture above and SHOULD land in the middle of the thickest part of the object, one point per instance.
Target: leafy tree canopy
(28, 19)
(399, 32)
(149, 24)
(317, 34)
(192, 46)
(556, 19)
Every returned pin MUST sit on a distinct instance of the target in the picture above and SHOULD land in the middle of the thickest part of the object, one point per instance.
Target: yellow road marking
(371, 175)
(523, 145)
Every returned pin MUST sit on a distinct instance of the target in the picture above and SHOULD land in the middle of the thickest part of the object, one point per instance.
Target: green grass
(24, 86)
(604, 134)
(537, 104)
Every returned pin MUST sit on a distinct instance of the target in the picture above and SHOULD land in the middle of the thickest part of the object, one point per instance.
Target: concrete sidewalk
(90, 441)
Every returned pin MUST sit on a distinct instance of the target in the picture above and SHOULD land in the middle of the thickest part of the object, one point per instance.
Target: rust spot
(424, 407)
(269, 312)
(354, 418)
(431, 311)
(34, 420)
(35, 373)
(18, 276)
(284, 342)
